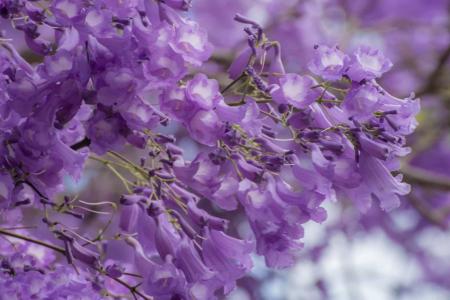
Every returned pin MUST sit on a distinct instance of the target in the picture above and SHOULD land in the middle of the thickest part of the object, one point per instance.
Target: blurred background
(404, 254)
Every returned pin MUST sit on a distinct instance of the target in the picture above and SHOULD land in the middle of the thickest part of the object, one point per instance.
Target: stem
(232, 83)
(425, 177)
(133, 290)
(132, 165)
(31, 240)
(125, 181)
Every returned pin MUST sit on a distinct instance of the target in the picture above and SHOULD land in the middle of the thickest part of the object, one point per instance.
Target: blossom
(107, 130)
(328, 62)
(362, 101)
(295, 90)
(203, 92)
(275, 223)
(205, 127)
(367, 63)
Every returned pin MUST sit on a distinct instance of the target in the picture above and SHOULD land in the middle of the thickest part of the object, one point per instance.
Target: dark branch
(31, 240)
(432, 83)
(232, 83)
(81, 144)
(426, 178)
(435, 217)
(40, 194)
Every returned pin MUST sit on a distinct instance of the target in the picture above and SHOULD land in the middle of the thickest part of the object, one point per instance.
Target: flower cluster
(274, 145)
(99, 62)
(298, 26)
(28, 271)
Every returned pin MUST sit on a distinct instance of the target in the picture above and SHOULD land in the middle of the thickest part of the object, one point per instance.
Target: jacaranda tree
(286, 108)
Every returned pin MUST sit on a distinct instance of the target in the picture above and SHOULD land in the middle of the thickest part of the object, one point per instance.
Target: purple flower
(367, 63)
(164, 281)
(275, 224)
(341, 171)
(203, 92)
(229, 256)
(139, 115)
(362, 101)
(224, 196)
(117, 86)
(201, 279)
(106, 130)
(20, 90)
(400, 113)
(167, 238)
(240, 63)
(373, 147)
(129, 216)
(158, 276)
(66, 11)
(301, 119)
(379, 183)
(295, 90)
(173, 102)
(328, 62)
(58, 65)
(205, 127)
(191, 42)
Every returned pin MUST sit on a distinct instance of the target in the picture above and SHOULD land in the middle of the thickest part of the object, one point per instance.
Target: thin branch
(35, 189)
(432, 83)
(232, 83)
(425, 177)
(434, 217)
(31, 240)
